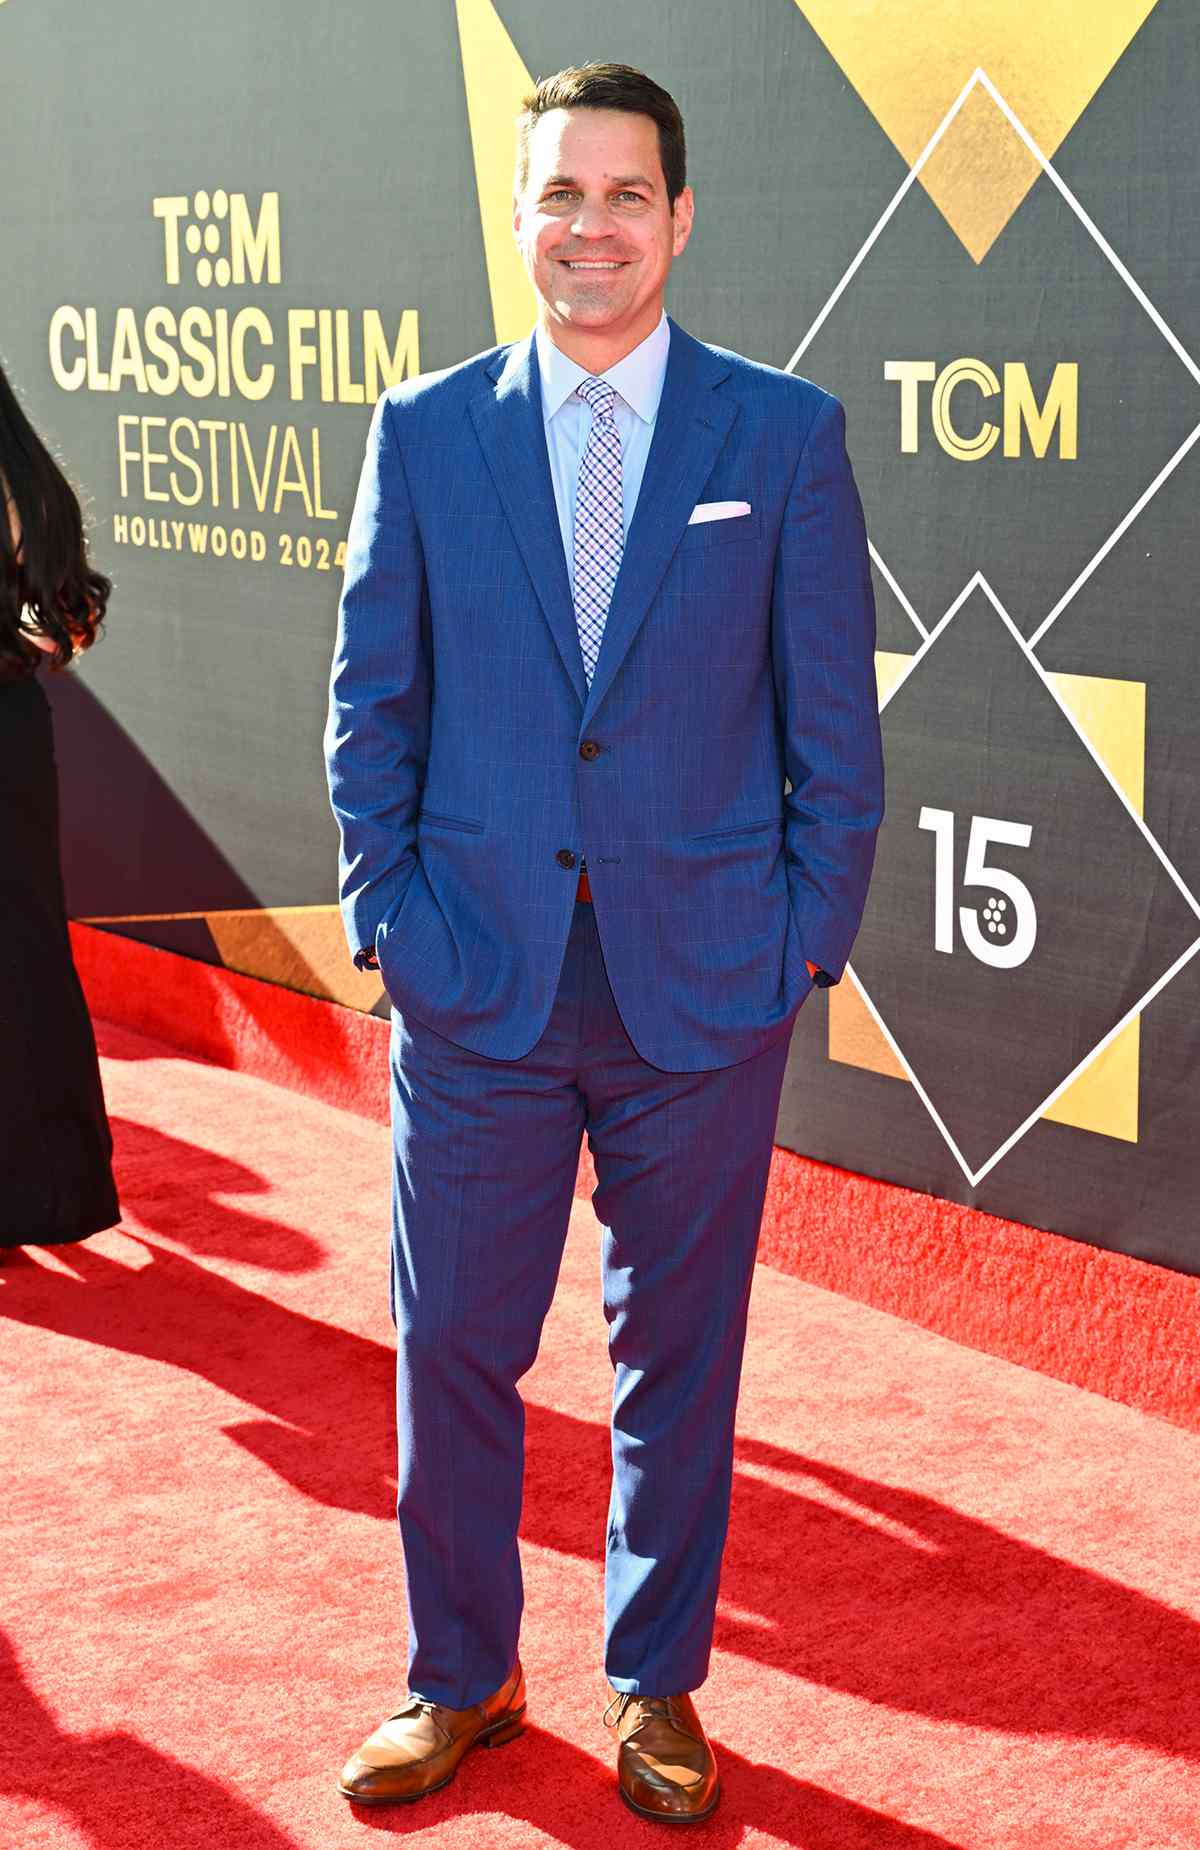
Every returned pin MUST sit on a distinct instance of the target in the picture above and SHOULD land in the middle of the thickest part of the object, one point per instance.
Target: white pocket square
(717, 510)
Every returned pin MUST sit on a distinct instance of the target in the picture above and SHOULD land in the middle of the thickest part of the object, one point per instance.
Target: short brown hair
(609, 86)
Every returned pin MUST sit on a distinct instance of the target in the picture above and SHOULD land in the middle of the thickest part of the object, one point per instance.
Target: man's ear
(682, 213)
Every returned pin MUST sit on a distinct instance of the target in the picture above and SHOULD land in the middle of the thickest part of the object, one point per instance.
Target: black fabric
(56, 1180)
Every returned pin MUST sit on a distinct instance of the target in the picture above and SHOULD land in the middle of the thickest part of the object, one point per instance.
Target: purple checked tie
(599, 521)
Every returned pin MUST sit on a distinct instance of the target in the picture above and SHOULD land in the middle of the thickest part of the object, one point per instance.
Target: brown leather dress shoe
(666, 1769)
(417, 1750)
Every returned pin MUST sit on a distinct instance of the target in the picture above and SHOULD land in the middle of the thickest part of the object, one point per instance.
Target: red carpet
(1098, 1319)
(960, 1605)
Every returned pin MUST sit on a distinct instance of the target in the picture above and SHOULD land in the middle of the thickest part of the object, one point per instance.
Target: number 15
(984, 830)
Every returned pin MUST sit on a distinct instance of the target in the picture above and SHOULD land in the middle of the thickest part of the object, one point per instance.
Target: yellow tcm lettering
(253, 247)
(206, 352)
(957, 424)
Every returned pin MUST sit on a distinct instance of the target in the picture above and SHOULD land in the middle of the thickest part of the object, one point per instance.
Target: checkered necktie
(599, 521)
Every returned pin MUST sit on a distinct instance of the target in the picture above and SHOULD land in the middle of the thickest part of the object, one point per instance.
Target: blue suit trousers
(486, 1158)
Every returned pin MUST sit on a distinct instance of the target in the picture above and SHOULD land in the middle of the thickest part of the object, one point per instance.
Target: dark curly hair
(46, 577)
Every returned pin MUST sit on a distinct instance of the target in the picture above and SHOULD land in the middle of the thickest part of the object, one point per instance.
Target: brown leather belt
(583, 890)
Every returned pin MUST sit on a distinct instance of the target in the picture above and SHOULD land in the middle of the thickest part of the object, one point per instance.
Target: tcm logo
(965, 388)
(228, 243)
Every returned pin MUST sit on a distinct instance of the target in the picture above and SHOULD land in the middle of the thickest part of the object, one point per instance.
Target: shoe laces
(421, 1705)
(653, 1705)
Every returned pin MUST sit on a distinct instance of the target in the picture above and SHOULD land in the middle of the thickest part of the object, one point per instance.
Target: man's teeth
(592, 266)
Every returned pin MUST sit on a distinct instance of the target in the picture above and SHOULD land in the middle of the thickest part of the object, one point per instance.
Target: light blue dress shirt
(637, 381)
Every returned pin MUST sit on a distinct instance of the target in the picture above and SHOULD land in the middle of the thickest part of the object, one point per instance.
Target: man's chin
(590, 311)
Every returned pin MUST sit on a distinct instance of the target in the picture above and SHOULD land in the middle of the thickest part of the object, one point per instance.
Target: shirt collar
(638, 377)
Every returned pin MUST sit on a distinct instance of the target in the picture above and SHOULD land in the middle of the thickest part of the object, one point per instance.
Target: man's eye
(635, 197)
(560, 193)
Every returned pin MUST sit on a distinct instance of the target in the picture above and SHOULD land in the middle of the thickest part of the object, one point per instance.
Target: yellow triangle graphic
(908, 64)
(497, 84)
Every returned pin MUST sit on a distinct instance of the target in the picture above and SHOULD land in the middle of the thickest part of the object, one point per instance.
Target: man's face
(593, 223)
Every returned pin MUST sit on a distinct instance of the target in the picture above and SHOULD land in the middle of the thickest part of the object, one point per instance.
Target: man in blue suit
(604, 750)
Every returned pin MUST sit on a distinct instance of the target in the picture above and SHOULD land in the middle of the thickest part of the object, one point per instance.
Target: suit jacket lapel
(691, 427)
(507, 415)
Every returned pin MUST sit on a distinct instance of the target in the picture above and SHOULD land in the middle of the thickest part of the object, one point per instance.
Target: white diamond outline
(980, 77)
(977, 77)
(974, 1177)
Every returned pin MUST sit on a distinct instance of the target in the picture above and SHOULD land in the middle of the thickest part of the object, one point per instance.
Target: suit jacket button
(565, 858)
(589, 750)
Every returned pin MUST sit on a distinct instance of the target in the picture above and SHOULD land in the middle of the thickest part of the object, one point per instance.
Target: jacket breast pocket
(699, 535)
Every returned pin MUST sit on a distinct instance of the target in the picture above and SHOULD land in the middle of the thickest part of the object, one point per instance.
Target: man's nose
(593, 219)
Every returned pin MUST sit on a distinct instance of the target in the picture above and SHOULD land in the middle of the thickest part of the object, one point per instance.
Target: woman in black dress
(56, 1180)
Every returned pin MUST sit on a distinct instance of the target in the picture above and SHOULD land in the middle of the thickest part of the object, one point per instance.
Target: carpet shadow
(115, 1042)
(870, 1589)
(556, 1788)
(171, 1185)
(904, 1601)
(116, 1789)
(315, 1381)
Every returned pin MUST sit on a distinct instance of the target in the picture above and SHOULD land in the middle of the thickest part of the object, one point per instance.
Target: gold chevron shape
(909, 63)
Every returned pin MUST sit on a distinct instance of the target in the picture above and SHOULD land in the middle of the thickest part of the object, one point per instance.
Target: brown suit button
(565, 858)
(589, 750)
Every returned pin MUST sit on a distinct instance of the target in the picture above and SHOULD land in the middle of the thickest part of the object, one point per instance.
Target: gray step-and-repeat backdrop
(226, 231)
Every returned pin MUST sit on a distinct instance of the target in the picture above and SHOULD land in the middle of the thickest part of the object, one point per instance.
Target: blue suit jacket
(738, 656)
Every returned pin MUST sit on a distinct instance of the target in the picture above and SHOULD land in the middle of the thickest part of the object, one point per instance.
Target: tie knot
(599, 395)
